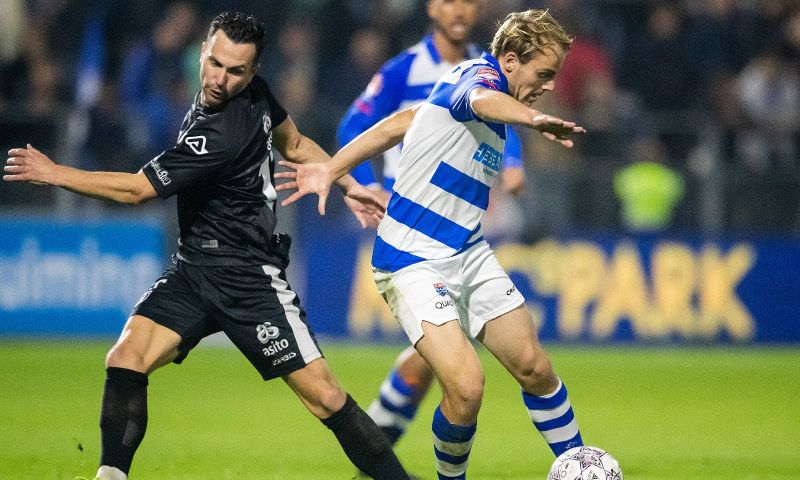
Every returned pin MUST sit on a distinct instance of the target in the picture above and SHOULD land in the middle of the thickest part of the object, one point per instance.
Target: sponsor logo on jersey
(163, 175)
(444, 304)
(511, 290)
(268, 131)
(488, 74)
(440, 289)
(197, 144)
(489, 158)
(267, 332)
(275, 347)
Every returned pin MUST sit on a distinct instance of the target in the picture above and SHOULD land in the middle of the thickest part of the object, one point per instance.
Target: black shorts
(254, 306)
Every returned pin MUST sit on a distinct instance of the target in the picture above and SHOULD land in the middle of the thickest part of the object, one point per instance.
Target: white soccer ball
(585, 463)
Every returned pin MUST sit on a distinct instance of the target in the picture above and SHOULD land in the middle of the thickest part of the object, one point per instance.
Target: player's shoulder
(484, 68)
(400, 64)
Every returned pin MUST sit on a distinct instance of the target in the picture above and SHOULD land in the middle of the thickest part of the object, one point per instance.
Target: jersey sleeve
(381, 98)
(512, 156)
(455, 96)
(200, 152)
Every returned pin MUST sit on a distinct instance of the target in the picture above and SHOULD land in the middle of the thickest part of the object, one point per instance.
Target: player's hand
(306, 178)
(556, 129)
(367, 205)
(383, 194)
(514, 180)
(29, 165)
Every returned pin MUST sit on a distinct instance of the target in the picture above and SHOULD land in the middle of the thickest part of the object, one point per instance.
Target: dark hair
(240, 28)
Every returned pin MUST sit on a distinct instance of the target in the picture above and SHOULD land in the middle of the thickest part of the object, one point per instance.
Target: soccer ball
(585, 463)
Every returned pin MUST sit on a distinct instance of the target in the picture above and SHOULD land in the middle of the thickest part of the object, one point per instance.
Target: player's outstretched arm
(30, 165)
(494, 106)
(318, 178)
(300, 151)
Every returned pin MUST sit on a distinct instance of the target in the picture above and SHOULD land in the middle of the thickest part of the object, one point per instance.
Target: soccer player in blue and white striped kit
(403, 82)
(430, 261)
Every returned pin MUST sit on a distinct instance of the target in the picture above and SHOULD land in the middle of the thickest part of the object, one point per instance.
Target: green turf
(665, 413)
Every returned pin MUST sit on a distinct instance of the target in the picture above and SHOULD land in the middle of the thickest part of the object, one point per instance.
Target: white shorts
(470, 287)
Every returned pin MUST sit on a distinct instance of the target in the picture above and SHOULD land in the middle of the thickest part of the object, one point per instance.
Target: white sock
(110, 473)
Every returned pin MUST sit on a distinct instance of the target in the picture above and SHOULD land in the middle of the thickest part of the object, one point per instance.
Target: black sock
(392, 434)
(364, 444)
(123, 417)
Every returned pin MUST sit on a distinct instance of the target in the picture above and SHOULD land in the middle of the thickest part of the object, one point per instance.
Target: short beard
(439, 28)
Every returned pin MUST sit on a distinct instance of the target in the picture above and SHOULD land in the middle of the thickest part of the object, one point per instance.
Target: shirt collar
(428, 41)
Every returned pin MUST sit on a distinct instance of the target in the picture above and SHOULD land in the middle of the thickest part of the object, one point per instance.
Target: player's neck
(449, 51)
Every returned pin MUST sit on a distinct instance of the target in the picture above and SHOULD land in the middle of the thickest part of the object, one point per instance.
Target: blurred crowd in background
(692, 107)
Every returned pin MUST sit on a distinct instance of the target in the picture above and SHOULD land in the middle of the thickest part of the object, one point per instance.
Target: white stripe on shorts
(308, 349)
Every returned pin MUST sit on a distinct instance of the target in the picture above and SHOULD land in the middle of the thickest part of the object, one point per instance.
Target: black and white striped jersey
(222, 170)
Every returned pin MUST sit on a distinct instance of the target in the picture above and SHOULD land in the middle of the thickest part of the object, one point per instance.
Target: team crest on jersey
(440, 289)
(197, 144)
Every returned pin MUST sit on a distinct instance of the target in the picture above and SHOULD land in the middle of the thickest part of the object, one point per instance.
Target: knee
(122, 355)
(328, 400)
(537, 374)
(466, 392)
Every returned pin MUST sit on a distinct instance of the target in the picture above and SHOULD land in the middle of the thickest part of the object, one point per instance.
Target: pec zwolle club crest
(440, 289)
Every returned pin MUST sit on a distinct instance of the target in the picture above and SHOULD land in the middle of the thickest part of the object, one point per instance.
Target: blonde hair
(529, 32)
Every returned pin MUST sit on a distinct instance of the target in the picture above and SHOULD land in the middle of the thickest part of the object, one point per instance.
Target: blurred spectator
(315, 118)
(764, 25)
(657, 67)
(614, 118)
(587, 59)
(105, 145)
(791, 36)
(296, 51)
(365, 55)
(715, 36)
(648, 189)
(12, 26)
(768, 92)
(153, 81)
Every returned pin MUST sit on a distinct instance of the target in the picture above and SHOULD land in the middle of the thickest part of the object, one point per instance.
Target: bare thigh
(143, 346)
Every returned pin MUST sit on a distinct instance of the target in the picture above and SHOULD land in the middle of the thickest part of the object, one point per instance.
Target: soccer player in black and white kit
(229, 272)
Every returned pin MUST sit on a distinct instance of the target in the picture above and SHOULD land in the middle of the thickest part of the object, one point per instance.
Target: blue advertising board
(602, 288)
(74, 278)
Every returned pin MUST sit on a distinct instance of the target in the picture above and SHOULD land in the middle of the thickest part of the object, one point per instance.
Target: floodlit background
(660, 257)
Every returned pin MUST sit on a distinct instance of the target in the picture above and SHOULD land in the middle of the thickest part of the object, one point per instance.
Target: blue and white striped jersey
(404, 81)
(450, 160)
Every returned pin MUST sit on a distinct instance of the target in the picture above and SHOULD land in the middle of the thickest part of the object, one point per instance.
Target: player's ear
(510, 61)
(202, 51)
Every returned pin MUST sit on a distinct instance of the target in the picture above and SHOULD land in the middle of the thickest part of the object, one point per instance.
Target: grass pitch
(665, 413)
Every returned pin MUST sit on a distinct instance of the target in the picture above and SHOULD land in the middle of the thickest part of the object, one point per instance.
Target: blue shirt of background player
(383, 97)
